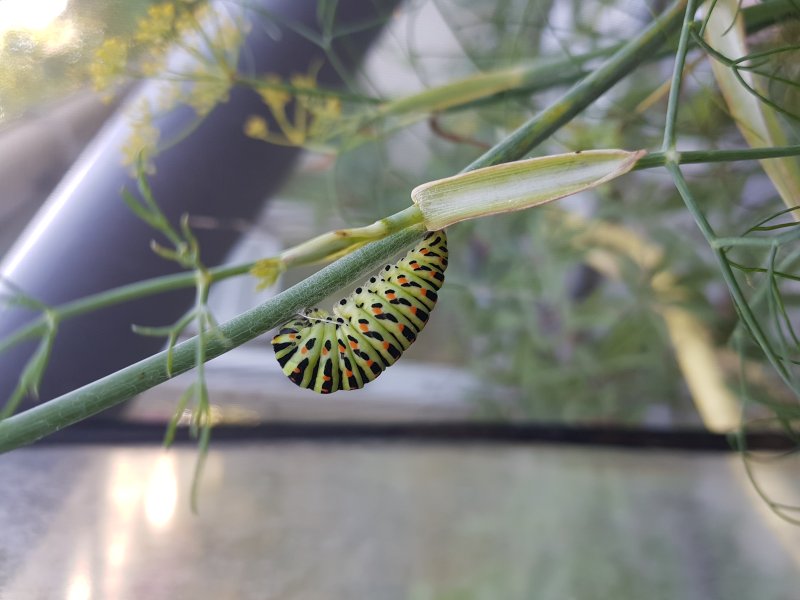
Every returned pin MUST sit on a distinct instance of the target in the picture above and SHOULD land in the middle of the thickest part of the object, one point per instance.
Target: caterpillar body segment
(370, 329)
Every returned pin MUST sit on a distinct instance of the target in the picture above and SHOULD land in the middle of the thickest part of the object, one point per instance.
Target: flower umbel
(302, 112)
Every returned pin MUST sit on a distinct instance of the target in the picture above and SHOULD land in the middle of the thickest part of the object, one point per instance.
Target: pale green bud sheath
(517, 185)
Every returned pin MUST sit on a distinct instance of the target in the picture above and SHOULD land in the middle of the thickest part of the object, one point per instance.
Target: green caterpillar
(369, 330)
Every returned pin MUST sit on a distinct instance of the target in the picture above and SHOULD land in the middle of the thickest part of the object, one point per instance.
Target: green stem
(477, 89)
(583, 93)
(759, 242)
(742, 242)
(311, 92)
(742, 307)
(672, 158)
(35, 423)
(126, 293)
(203, 407)
(661, 159)
(332, 244)
(677, 78)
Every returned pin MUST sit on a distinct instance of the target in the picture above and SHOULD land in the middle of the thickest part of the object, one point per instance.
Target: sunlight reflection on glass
(80, 586)
(25, 15)
(125, 487)
(161, 496)
(60, 38)
(115, 553)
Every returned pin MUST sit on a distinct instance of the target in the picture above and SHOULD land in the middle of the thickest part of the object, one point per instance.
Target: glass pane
(341, 521)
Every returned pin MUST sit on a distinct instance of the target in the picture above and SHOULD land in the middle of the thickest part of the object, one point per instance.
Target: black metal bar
(110, 432)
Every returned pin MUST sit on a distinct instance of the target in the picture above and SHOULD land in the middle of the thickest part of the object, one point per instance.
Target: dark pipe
(85, 240)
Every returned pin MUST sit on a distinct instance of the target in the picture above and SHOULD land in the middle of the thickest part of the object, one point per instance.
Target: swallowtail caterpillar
(367, 331)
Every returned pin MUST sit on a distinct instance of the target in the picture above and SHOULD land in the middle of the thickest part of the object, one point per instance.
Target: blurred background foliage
(548, 336)
(47, 47)
(545, 334)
